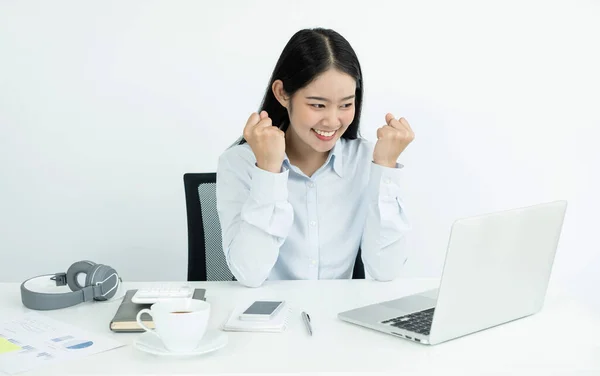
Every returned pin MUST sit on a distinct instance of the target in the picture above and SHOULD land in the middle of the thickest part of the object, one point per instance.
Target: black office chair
(359, 268)
(206, 260)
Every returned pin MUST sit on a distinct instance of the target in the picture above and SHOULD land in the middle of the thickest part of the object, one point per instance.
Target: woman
(302, 192)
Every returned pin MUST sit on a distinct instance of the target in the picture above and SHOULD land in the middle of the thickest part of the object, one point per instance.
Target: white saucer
(213, 340)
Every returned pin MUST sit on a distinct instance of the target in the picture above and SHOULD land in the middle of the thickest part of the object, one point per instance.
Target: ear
(280, 93)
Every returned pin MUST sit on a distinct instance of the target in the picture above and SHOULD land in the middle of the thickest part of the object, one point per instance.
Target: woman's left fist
(392, 139)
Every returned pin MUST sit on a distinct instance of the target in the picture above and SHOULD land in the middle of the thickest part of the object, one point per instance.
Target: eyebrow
(327, 100)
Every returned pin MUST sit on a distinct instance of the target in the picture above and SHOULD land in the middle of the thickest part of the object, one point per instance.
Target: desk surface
(561, 339)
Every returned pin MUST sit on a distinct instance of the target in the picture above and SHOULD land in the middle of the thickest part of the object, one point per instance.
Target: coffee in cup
(180, 323)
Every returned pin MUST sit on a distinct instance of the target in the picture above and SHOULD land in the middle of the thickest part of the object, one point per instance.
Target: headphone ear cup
(74, 270)
(109, 278)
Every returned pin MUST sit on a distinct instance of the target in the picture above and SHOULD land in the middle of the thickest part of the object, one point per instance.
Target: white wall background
(104, 106)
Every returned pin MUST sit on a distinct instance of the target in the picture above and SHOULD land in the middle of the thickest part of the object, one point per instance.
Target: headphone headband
(47, 301)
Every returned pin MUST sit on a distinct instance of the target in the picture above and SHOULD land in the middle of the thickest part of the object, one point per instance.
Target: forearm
(254, 249)
(384, 238)
(255, 223)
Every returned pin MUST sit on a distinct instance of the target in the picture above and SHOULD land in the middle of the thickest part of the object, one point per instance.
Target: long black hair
(307, 54)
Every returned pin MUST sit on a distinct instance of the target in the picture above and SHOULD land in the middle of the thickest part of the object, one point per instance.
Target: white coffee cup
(180, 323)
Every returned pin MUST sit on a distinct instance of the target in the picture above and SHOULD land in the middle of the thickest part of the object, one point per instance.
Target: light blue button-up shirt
(290, 226)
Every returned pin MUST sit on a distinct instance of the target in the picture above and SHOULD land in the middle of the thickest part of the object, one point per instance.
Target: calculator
(162, 291)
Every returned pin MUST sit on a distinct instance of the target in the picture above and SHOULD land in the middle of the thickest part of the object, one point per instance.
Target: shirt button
(313, 262)
(313, 223)
(387, 180)
(311, 185)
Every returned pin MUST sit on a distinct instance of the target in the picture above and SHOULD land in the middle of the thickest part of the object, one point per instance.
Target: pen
(306, 319)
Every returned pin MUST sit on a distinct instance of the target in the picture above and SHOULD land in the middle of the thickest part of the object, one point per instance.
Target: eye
(347, 105)
(318, 105)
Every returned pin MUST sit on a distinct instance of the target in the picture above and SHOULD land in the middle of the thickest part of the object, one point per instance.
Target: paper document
(33, 340)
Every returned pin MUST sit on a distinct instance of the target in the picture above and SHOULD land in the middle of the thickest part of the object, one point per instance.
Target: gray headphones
(101, 283)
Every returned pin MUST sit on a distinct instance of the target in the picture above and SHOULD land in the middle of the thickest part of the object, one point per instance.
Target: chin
(324, 148)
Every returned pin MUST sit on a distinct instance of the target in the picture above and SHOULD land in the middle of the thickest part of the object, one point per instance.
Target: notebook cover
(124, 319)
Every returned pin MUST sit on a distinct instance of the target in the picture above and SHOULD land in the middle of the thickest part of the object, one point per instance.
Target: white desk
(562, 339)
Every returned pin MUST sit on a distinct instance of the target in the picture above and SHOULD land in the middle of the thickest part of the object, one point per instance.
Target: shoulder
(237, 156)
(234, 168)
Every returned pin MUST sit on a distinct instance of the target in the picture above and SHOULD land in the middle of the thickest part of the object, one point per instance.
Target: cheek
(347, 117)
(307, 118)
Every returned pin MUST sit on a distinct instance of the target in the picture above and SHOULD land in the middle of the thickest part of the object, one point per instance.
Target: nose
(331, 119)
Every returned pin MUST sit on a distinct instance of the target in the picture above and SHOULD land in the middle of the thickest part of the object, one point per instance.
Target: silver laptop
(496, 270)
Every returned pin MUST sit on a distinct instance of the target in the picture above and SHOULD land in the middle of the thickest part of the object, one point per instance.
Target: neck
(302, 155)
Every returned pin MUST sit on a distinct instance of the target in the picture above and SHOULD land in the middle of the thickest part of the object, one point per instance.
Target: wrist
(390, 164)
(270, 167)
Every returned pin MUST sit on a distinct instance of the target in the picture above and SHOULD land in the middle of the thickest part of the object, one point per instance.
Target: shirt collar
(335, 156)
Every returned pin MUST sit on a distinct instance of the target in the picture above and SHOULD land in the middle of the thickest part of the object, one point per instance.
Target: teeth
(325, 134)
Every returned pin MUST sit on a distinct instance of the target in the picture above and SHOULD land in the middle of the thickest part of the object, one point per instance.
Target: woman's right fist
(267, 142)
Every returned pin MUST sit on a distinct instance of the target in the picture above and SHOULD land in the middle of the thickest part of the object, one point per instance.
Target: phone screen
(262, 308)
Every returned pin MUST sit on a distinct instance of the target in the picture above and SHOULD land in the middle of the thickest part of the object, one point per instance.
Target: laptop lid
(497, 269)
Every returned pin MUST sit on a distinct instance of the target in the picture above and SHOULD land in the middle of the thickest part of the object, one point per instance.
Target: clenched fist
(267, 142)
(392, 139)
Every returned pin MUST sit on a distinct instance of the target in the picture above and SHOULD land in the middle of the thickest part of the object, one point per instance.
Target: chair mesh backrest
(216, 266)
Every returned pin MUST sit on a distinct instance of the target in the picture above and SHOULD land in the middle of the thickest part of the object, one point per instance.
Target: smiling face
(321, 112)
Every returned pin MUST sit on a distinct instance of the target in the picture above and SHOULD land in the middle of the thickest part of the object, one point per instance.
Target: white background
(105, 105)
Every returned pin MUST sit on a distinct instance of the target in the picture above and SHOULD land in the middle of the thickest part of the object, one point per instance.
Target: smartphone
(261, 310)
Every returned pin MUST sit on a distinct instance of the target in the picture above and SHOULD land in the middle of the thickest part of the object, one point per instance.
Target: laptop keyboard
(418, 322)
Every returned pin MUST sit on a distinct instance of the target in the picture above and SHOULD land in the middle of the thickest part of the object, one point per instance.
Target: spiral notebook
(277, 324)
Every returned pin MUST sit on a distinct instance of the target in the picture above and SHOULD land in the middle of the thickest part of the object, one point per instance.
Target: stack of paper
(277, 324)
(33, 340)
